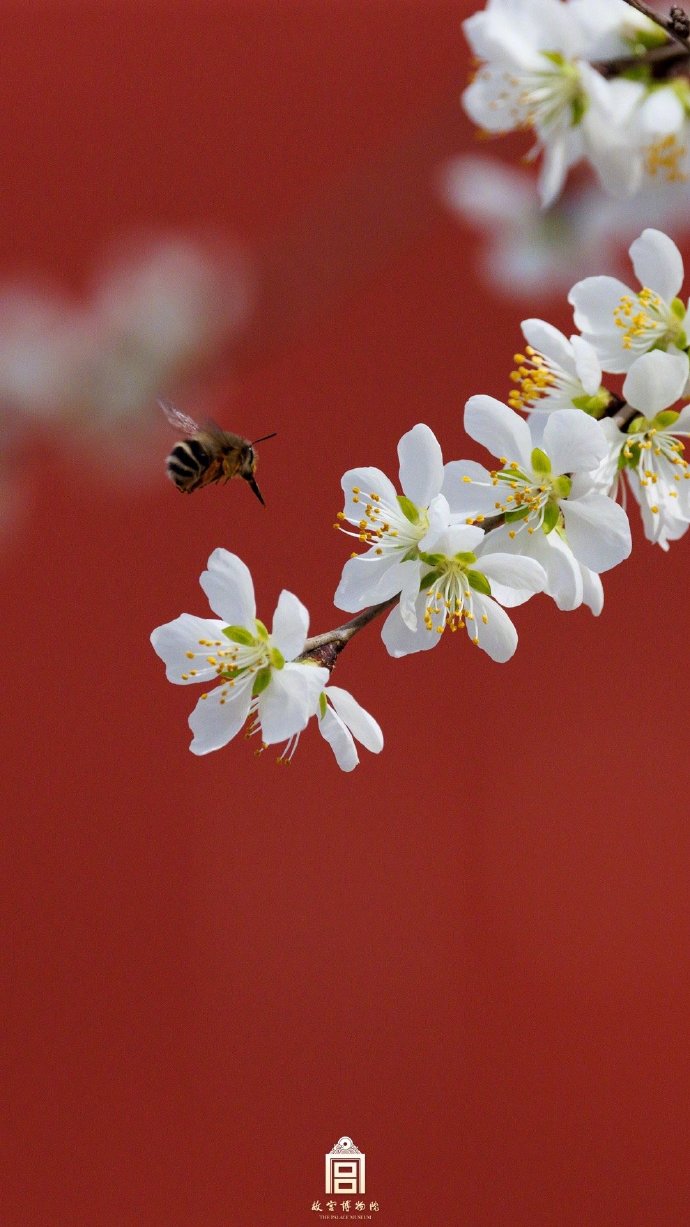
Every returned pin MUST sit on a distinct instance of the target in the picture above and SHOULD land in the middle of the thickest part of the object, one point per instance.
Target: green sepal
(410, 555)
(239, 634)
(466, 557)
(562, 486)
(638, 426)
(633, 460)
(556, 57)
(432, 560)
(261, 630)
(551, 516)
(408, 509)
(261, 680)
(677, 307)
(276, 658)
(596, 405)
(511, 516)
(666, 418)
(428, 580)
(323, 704)
(540, 461)
(479, 582)
(578, 107)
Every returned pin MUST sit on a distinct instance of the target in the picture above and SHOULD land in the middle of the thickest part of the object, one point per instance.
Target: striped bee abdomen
(187, 464)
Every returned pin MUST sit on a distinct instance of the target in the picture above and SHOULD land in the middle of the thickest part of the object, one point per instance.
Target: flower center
(547, 92)
(533, 499)
(451, 581)
(656, 455)
(385, 526)
(664, 157)
(646, 320)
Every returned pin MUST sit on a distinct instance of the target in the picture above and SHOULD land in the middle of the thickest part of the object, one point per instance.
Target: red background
(471, 955)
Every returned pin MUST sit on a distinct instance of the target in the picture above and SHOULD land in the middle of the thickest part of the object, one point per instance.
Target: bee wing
(179, 420)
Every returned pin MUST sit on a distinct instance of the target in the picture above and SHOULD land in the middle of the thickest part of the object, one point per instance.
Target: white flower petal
(289, 700)
(421, 464)
(290, 625)
(497, 636)
(360, 722)
(468, 488)
(574, 441)
(550, 342)
(229, 588)
(175, 639)
(359, 484)
(597, 530)
(658, 263)
(400, 640)
(367, 580)
(220, 716)
(655, 381)
(499, 429)
(339, 739)
(514, 578)
(587, 365)
(592, 591)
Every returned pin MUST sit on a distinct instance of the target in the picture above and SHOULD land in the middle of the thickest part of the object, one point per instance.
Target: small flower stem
(324, 649)
(676, 25)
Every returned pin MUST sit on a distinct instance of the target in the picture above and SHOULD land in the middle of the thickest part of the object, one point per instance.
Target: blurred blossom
(161, 311)
(530, 251)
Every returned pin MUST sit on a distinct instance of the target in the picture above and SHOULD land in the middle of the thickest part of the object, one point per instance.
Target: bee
(209, 454)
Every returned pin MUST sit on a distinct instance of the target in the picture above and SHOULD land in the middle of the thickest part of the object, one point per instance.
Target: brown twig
(676, 25)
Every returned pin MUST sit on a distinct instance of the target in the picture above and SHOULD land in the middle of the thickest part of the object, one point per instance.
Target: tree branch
(677, 25)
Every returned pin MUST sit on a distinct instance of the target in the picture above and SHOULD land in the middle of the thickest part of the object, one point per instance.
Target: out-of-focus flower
(257, 672)
(539, 62)
(620, 323)
(161, 311)
(536, 252)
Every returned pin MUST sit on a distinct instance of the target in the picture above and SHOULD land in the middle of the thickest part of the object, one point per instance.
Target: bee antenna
(264, 438)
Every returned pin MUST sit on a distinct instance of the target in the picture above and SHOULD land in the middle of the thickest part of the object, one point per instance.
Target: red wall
(471, 955)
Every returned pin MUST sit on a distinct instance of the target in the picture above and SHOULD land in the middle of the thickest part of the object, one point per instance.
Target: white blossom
(544, 490)
(651, 451)
(257, 672)
(622, 324)
(556, 373)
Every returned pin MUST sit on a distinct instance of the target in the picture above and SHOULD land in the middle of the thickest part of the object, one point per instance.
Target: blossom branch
(324, 649)
(677, 25)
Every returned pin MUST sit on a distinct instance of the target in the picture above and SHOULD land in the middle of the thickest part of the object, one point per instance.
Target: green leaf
(408, 509)
(239, 634)
(479, 582)
(261, 680)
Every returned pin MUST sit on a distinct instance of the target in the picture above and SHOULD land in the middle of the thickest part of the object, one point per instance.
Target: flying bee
(209, 454)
